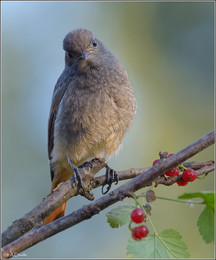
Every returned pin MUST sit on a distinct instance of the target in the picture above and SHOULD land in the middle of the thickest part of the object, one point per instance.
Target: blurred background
(167, 49)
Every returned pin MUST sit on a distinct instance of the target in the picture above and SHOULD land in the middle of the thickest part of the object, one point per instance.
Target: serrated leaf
(206, 224)
(119, 216)
(168, 244)
(205, 221)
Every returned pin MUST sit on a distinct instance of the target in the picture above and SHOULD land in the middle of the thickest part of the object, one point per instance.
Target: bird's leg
(76, 177)
(111, 176)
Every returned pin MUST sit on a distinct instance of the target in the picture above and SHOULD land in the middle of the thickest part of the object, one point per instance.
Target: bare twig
(36, 235)
(197, 165)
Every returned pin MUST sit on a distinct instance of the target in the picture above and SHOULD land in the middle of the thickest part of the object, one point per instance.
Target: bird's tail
(59, 212)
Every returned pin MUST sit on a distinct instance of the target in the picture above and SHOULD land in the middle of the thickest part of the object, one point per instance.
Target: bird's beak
(84, 54)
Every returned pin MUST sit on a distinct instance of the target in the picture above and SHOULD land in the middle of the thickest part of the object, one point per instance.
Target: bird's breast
(94, 114)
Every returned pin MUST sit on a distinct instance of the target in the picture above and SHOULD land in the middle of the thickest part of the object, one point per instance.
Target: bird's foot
(76, 179)
(86, 164)
(111, 176)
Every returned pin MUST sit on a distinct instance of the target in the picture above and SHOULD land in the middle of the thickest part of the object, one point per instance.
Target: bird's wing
(61, 86)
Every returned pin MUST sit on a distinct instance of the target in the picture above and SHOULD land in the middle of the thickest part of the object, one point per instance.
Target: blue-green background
(167, 49)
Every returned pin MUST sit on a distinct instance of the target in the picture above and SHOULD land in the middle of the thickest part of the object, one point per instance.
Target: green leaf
(205, 221)
(206, 224)
(167, 244)
(119, 216)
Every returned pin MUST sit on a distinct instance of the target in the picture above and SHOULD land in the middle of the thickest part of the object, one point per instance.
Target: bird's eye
(94, 43)
(69, 55)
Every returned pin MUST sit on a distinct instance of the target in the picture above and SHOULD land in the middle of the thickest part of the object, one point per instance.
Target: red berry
(173, 172)
(139, 232)
(155, 162)
(189, 175)
(138, 215)
(182, 183)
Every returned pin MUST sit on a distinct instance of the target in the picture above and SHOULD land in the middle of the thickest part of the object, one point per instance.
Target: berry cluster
(138, 216)
(188, 175)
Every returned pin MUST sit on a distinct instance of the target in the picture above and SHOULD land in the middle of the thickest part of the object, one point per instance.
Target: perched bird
(93, 106)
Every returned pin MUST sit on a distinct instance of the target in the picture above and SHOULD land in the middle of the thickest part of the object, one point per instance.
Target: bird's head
(81, 46)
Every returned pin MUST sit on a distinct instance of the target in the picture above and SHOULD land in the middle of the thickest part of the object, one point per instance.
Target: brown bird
(93, 106)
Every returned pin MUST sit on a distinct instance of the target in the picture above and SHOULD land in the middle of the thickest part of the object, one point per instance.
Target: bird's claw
(111, 176)
(86, 164)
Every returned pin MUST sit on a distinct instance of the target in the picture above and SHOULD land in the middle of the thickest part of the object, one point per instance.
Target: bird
(93, 106)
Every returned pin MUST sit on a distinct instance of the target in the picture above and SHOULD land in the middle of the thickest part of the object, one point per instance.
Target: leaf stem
(141, 206)
(180, 200)
(182, 167)
(174, 200)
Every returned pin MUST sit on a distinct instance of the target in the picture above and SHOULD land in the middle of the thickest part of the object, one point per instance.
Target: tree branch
(144, 179)
(55, 199)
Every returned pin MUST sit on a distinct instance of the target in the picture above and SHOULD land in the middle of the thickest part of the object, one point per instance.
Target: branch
(55, 199)
(146, 178)
(65, 192)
